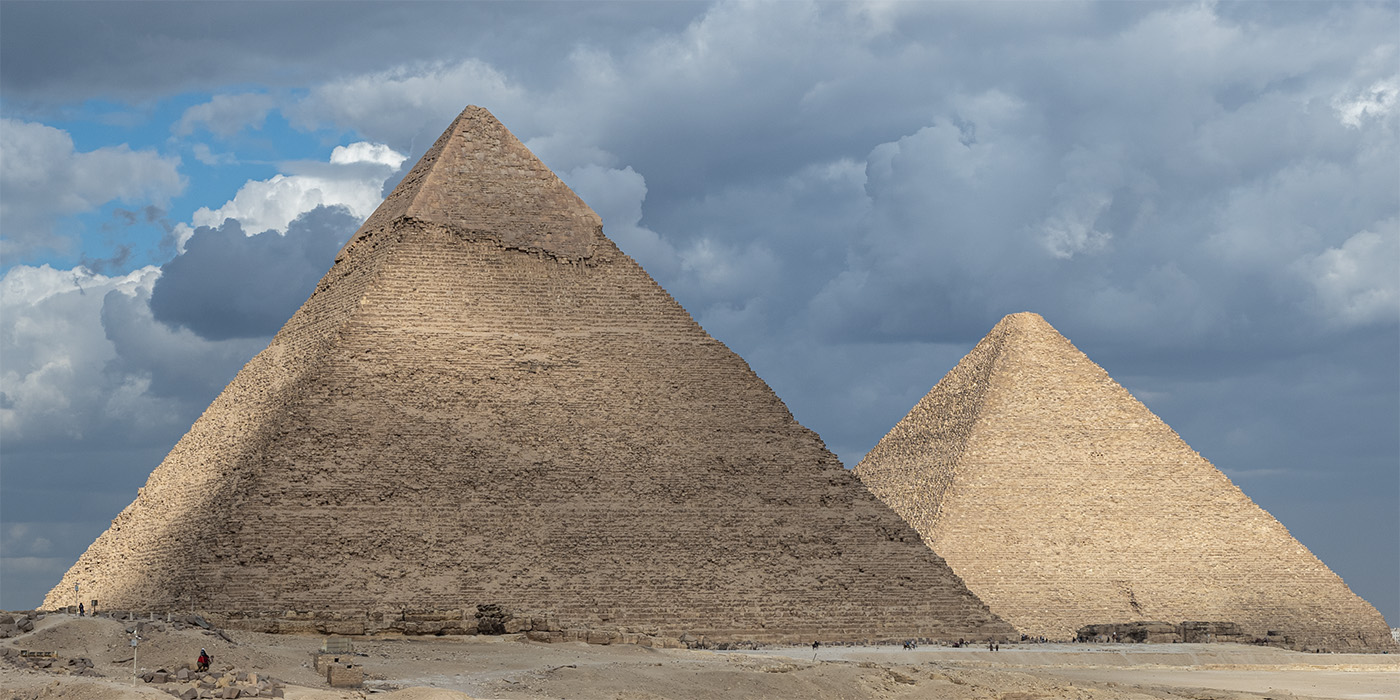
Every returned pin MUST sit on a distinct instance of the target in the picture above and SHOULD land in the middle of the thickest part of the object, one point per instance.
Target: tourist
(80, 609)
(204, 660)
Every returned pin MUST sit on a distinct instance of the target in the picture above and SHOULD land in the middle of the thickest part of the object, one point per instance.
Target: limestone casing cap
(480, 180)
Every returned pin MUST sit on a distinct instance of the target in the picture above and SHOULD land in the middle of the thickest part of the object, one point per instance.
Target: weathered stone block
(321, 662)
(344, 676)
(344, 627)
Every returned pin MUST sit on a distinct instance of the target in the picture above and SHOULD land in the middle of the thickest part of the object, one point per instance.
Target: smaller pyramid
(1062, 501)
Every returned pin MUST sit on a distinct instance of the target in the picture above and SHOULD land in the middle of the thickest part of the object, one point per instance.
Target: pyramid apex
(1025, 318)
(480, 180)
(1026, 325)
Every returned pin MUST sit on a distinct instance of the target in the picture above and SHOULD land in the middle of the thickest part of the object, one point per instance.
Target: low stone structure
(48, 661)
(1148, 632)
(341, 675)
(488, 619)
(189, 684)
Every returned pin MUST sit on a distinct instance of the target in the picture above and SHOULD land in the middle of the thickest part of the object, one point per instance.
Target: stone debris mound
(15, 624)
(485, 402)
(1063, 502)
(49, 661)
(188, 684)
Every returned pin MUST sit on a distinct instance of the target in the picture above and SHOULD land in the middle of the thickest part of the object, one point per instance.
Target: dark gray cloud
(230, 285)
(54, 55)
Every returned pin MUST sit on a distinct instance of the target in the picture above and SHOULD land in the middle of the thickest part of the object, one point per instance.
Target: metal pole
(133, 660)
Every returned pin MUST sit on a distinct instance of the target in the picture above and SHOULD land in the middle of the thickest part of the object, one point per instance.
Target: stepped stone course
(485, 403)
(1063, 502)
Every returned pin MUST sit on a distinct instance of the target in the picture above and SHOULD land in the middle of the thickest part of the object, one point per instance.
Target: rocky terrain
(511, 666)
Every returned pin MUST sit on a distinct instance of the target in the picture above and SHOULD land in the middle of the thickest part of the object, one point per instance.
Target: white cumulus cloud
(55, 350)
(44, 178)
(365, 152)
(1374, 102)
(1358, 282)
(617, 196)
(85, 359)
(354, 179)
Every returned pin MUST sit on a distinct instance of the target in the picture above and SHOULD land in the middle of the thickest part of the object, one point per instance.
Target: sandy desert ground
(451, 668)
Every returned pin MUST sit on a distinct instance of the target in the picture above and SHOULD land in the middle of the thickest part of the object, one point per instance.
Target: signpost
(134, 637)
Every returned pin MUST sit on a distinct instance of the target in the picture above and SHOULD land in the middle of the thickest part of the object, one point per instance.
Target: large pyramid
(484, 402)
(1062, 501)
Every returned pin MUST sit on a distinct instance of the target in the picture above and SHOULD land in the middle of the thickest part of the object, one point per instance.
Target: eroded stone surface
(525, 419)
(480, 181)
(1062, 501)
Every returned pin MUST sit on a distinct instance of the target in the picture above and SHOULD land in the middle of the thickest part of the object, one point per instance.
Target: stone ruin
(15, 624)
(48, 662)
(1166, 632)
(1062, 501)
(188, 684)
(485, 402)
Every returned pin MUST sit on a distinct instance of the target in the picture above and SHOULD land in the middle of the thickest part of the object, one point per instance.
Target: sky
(1203, 197)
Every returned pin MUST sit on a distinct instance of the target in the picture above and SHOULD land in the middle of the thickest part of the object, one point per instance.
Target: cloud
(1358, 282)
(230, 285)
(225, 115)
(51, 56)
(44, 178)
(408, 106)
(617, 197)
(55, 350)
(353, 179)
(1375, 102)
(364, 152)
(84, 359)
(1080, 201)
(203, 154)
